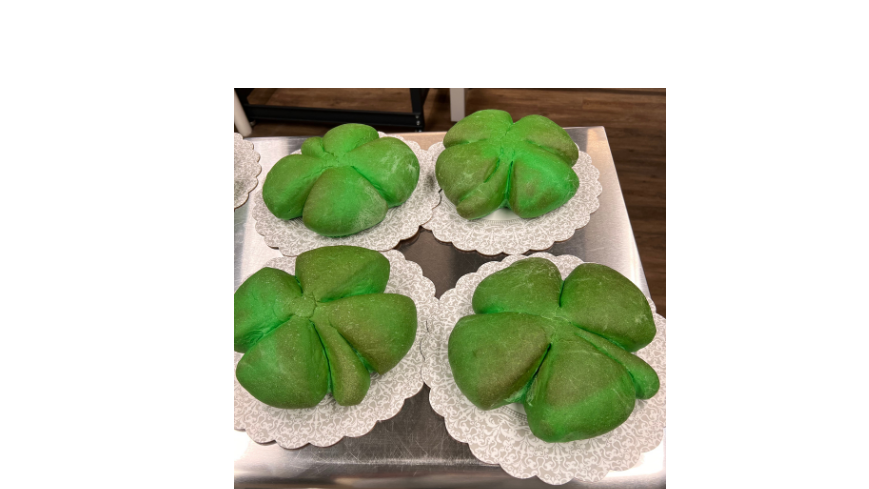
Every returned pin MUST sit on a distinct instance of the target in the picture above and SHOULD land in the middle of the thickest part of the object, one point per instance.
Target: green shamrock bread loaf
(343, 182)
(560, 348)
(323, 330)
(490, 162)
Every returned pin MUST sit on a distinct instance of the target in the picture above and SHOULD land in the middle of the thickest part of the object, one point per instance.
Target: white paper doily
(402, 222)
(247, 168)
(325, 424)
(505, 232)
(501, 436)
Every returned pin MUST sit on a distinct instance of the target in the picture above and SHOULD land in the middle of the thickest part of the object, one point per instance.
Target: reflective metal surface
(413, 449)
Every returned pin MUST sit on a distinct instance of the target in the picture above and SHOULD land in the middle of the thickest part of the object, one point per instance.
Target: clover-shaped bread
(343, 182)
(490, 162)
(560, 348)
(323, 330)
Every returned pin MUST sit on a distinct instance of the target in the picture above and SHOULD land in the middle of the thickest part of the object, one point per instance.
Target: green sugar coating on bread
(491, 162)
(323, 330)
(344, 182)
(562, 348)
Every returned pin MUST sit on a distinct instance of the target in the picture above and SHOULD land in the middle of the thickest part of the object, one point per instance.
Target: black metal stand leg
(417, 99)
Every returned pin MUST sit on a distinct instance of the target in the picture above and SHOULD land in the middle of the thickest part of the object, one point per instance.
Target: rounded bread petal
(347, 137)
(389, 165)
(287, 368)
(544, 133)
(483, 124)
(262, 303)
(603, 301)
(333, 272)
(578, 393)
(348, 377)
(532, 285)
(381, 327)
(494, 356)
(341, 203)
(539, 183)
(288, 184)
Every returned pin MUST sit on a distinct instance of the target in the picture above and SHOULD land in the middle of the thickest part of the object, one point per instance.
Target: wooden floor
(635, 122)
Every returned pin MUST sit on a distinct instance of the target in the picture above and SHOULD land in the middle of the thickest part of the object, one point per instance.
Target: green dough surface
(323, 330)
(344, 182)
(562, 348)
(491, 162)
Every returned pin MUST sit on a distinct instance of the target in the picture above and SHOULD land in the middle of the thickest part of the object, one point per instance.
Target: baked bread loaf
(343, 182)
(490, 162)
(560, 348)
(323, 330)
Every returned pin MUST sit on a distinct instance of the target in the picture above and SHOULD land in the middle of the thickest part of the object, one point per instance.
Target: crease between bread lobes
(344, 182)
(322, 330)
(491, 162)
(562, 348)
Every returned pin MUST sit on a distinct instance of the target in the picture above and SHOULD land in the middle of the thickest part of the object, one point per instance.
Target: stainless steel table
(413, 449)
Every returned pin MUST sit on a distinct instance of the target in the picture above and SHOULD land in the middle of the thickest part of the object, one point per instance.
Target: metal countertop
(413, 449)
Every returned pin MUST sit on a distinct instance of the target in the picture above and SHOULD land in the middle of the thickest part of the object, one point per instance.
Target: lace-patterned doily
(402, 222)
(505, 232)
(325, 424)
(501, 436)
(247, 168)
